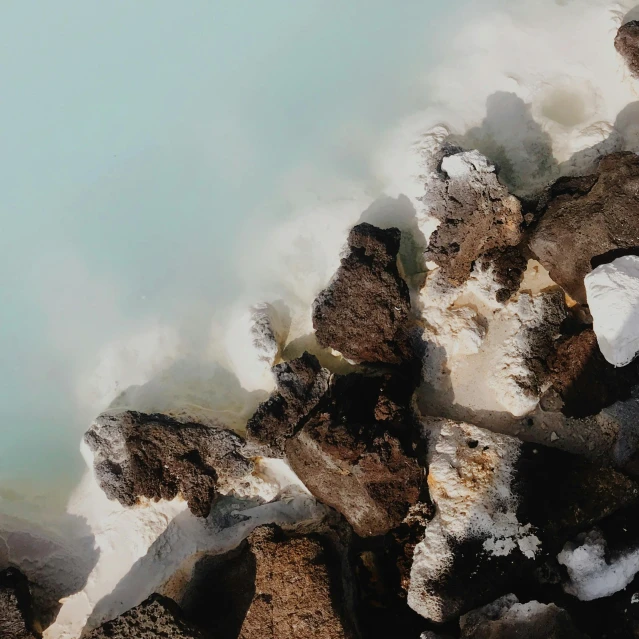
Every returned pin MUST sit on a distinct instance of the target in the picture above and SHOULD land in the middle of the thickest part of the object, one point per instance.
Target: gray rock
(627, 44)
(154, 456)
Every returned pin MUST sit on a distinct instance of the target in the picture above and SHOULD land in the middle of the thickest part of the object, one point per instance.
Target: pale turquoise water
(137, 138)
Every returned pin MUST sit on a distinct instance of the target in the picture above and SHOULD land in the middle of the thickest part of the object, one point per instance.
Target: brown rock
(364, 312)
(15, 606)
(589, 221)
(477, 215)
(361, 470)
(301, 384)
(627, 44)
(156, 617)
(154, 456)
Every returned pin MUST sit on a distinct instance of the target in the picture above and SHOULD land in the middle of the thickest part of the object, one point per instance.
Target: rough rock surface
(582, 377)
(506, 618)
(476, 213)
(275, 586)
(353, 456)
(627, 44)
(588, 221)
(15, 613)
(301, 384)
(156, 617)
(153, 456)
(613, 297)
(364, 311)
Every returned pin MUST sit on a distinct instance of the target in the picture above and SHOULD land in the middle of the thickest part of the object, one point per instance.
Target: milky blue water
(137, 140)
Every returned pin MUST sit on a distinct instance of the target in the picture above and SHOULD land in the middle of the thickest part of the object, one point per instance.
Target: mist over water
(143, 144)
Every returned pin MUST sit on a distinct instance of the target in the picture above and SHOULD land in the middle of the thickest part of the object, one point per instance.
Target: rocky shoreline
(471, 469)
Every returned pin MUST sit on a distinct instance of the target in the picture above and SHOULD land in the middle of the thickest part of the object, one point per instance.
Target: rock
(476, 213)
(154, 456)
(301, 384)
(254, 342)
(156, 617)
(364, 312)
(275, 586)
(506, 617)
(613, 298)
(15, 606)
(582, 377)
(357, 467)
(627, 44)
(588, 221)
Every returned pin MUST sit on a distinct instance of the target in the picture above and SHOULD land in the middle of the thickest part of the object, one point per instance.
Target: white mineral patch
(469, 477)
(141, 548)
(592, 576)
(613, 299)
(254, 343)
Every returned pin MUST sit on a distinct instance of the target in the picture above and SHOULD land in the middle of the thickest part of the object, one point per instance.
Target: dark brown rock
(301, 384)
(361, 470)
(477, 215)
(589, 221)
(15, 606)
(509, 266)
(154, 456)
(583, 378)
(364, 312)
(627, 44)
(156, 617)
(506, 618)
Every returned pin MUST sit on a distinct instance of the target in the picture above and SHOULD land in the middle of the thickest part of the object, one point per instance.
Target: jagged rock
(15, 606)
(154, 456)
(499, 513)
(506, 618)
(156, 617)
(613, 297)
(301, 384)
(476, 213)
(627, 44)
(588, 221)
(364, 311)
(275, 586)
(357, 466)
(582, 377)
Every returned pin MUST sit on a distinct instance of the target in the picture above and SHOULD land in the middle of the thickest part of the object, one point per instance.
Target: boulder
(506, 617)
(588, 221)
(154, 456)
(476, 215)
(15, 606)
(156, 617)
(301, 384)
(627, 45)
(364, 312)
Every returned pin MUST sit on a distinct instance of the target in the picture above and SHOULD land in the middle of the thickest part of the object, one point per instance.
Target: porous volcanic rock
(364, 312)
(301, 384)
(154, 456)
(506, 618)
(588, 221)
(627, 44)
(15, 606)
(156, 617)
(476, 213)
(360, 469)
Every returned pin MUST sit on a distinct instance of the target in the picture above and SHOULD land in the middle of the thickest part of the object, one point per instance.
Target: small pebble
(554, 436)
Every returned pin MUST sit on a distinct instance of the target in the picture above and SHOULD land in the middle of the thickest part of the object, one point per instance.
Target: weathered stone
(364, 311)
(15, 606)
(476, 213)
(506, 618)
(627, 44)
(360, 469)
(156, 617)
(154, 456)
(301, 384)
(589, 221)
